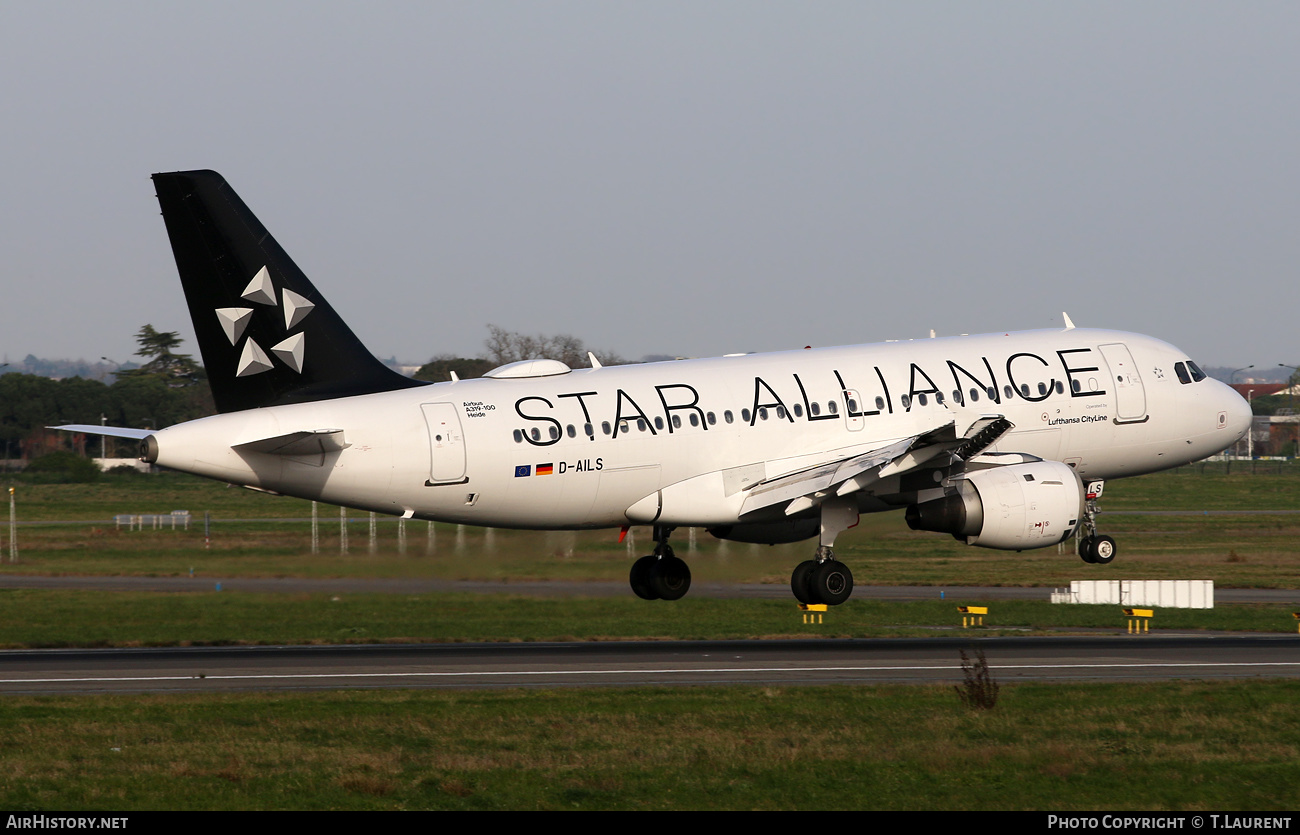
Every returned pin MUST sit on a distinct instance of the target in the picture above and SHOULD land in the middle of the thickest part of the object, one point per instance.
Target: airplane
(1002, 440)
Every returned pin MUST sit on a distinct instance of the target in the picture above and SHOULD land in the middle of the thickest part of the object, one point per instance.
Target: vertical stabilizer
(267, 336)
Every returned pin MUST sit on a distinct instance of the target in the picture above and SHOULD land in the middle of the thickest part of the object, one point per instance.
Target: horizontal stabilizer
(110, 431)
(306, 442)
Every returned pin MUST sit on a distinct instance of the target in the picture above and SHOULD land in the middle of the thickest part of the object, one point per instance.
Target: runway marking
(673, 670)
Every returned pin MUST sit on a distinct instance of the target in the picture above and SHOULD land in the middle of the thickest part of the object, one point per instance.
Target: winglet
(1069, 326)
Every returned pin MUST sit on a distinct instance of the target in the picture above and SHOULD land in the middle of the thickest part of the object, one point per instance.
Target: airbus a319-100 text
(1002, 440)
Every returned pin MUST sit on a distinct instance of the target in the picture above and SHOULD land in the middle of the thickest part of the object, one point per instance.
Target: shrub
(63, 467)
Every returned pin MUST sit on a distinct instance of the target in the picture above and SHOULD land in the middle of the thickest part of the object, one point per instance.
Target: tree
(176, 370)
(438, 369)
(509, 346)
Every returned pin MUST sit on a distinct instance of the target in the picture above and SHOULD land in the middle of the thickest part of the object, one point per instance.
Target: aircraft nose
(1237, 415)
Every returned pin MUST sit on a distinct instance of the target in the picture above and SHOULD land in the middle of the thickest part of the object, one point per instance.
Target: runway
(661, 663)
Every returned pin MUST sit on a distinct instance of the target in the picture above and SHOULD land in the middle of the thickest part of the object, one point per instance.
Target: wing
(940, 446)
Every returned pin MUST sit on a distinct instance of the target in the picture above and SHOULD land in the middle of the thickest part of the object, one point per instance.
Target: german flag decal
(545, 469)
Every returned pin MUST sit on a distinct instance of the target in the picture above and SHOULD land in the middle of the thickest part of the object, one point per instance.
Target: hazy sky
(681, 178)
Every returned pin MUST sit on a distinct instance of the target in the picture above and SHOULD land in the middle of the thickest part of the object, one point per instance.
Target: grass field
(38, 618)
(1180, 746)
(1063, 747)
(1255, 550)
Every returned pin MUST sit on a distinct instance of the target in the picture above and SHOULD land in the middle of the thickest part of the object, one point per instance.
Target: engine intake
(1011, 508)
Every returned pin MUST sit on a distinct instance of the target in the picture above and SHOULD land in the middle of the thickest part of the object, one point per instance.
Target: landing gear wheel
(641, 578)
(1102, 550)
(671, 578)
(830, 582)
(1085, 550)
(799, 580)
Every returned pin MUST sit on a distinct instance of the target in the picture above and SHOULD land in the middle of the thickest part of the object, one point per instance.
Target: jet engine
(1011, 508)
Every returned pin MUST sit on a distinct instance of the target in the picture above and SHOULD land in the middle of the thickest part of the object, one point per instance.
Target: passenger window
(974, 395)
(920, 398)
(711, 418)
(604, 427)
(780, 412)
(1060, 387)
(832, 407)
(744, 415)
(695, 420)
(591, 432)
(726, 415)
(762, 413)
(537, 436)
(907, 401)
(677, 421)
(1008, 391)
(814, 408)
(519, 437)
(659, 423)
(880, 403)
(573, 433)
(555, 433)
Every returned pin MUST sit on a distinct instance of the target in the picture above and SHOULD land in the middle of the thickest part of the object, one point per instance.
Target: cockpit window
(1181, 370)
(1197, 373)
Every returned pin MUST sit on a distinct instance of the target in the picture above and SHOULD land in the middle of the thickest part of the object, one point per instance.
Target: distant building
(1252, 390)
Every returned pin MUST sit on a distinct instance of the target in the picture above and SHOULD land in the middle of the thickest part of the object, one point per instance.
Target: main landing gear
(825, 579)
(1097, 549)
(661, 575)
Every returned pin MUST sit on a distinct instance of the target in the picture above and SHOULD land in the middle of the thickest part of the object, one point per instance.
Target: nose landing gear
(1096, 549)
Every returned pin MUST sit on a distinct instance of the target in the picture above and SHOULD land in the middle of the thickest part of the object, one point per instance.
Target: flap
(809, 487)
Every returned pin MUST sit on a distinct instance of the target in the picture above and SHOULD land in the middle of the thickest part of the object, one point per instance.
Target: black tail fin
(267, 336)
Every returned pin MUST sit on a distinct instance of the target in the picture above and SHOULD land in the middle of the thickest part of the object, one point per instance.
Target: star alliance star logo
(234, 321)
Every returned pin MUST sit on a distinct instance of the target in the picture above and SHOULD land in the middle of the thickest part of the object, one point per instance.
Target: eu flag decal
(523, 470)
(545, 469)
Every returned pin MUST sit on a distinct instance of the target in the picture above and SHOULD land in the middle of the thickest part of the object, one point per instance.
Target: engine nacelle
(1011, 508)
(770, 533)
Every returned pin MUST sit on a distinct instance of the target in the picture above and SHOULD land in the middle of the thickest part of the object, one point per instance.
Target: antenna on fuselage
(1069, 326)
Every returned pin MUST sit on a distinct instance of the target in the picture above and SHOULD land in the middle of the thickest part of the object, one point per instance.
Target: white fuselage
(586, 448)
